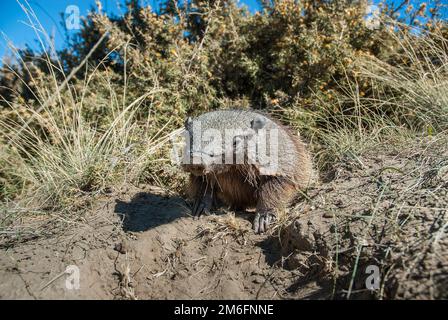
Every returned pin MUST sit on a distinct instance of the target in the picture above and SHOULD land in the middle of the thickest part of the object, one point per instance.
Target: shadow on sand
(146, 211)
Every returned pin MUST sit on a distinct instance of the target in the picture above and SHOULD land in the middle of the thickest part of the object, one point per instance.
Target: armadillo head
(213, 146)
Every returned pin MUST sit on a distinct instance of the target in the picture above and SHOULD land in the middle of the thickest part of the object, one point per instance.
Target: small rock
(122, 247)
(259, 280)
(328, 214)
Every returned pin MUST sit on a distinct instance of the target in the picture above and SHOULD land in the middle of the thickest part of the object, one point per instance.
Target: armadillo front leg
(272, 195)
(263, 220)
(204, 199)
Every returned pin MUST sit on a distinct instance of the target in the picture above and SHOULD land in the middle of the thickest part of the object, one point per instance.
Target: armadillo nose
(204, 158)
(206, 170)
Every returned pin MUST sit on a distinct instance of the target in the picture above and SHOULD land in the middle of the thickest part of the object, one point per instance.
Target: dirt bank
(384, 211)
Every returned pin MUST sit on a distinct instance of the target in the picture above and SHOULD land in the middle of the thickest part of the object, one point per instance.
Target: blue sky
(13, 20)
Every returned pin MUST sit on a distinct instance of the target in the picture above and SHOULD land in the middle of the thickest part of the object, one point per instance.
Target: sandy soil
(386, 209)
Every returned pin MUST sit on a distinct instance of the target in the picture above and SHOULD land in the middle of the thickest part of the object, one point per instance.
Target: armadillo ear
(258, 122)
(188, 122)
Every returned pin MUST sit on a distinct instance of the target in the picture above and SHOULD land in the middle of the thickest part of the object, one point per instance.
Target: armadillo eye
(237, 141)
(188, 122)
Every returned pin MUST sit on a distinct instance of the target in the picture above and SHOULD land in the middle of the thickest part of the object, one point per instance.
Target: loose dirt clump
(384, 211)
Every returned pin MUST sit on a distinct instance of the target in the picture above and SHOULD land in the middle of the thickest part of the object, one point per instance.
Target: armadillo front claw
(262, 221)
(200, 207)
